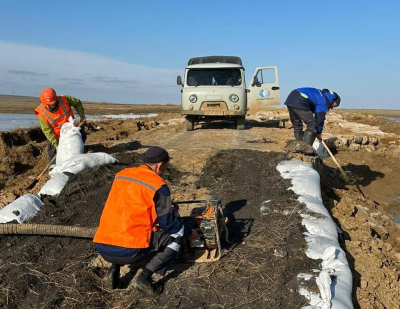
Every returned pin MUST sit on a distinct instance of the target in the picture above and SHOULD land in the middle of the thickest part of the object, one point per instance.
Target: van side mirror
(255, 81)
(179, 80)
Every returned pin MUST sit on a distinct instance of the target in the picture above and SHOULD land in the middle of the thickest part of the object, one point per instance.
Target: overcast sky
(131, 52)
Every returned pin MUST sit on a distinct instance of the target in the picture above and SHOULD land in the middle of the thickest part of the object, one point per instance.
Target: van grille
(213, 106)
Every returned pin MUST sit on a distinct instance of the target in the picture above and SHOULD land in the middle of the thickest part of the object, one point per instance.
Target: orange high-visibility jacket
(58, 118)
(129, 215)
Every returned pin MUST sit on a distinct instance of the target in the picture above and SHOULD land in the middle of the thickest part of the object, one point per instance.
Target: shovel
(36, 180)
(348, 177)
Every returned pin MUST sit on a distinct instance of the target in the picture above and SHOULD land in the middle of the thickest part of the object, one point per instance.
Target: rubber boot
(111, 280)
(144, 284)
(309, 136)
(299, 135)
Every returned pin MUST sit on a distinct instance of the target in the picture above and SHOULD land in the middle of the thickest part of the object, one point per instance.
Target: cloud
(22, 72)
(115, 81)
(83, 75)
(76, 83)
(165, 85)
(72, 79)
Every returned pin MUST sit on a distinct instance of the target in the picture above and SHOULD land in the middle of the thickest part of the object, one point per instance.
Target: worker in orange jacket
(53, 112)
(138, 223)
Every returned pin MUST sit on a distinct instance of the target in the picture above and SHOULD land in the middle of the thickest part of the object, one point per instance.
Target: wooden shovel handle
(45, 169)
(333, 158)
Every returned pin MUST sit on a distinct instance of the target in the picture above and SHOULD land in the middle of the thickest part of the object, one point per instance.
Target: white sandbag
(304, 178)
(70, 142)
(324, 282)
(22, 209)
(320, 149)
(322, 241)
(54, 185)
(80, 162)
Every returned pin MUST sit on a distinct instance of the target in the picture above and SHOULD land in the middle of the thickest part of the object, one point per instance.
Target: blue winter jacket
(314, 100)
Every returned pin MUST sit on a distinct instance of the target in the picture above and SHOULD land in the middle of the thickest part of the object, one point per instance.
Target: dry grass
(374, 112)
(26, 105)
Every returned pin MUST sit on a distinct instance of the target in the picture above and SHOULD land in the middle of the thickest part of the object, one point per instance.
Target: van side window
(266, 76)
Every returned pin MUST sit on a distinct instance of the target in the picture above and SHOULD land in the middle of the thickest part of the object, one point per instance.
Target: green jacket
(51, 137)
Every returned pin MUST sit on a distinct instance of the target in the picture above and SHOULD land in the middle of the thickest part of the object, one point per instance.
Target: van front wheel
(240, 123)
(189, 124)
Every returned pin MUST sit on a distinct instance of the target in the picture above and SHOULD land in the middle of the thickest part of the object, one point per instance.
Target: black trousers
(51, 150)
(298, 116)
(160, 255)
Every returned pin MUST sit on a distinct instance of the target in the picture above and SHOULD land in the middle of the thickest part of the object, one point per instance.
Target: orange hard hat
(48, 96)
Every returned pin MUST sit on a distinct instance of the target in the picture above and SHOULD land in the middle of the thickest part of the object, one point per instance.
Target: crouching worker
(138, 223)
(53, 112)
(310, 105)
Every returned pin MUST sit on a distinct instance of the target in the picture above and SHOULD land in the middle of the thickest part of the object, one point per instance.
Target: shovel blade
(350, 178)
(33, 183)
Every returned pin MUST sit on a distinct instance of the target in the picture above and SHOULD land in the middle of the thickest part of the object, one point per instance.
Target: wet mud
(214, 161)
(262, 254)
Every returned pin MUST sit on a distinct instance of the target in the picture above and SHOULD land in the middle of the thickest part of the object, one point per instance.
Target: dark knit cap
(155, 155)
(337, 99)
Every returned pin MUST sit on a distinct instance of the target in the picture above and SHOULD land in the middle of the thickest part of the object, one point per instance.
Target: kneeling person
(138, 222)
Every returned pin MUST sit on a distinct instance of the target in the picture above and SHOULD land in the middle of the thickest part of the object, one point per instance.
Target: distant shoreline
(27, 104)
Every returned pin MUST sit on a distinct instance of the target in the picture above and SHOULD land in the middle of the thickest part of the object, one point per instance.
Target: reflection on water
(396, 218)
(10, 122)
(13, 121)
(392, 118)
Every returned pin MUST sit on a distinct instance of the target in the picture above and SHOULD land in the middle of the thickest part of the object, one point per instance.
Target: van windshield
(211, 77)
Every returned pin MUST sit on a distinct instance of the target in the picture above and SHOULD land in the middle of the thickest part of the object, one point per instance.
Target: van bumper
(214, 113)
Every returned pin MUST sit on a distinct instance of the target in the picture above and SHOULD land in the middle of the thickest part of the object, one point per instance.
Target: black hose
(47, 229)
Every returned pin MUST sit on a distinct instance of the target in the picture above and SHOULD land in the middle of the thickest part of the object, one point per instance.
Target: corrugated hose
(47, 229)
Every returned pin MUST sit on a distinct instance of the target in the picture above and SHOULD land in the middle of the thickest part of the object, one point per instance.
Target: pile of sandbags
(70, 160)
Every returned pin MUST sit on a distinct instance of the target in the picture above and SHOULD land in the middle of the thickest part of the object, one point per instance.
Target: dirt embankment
(23, 152)
(215, 161)
(262, 254)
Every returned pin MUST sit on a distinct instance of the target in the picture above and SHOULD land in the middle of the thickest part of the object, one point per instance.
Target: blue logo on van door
(265, 93)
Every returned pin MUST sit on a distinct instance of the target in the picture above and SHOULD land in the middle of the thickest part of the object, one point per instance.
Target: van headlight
(233, 98)
(193, 98)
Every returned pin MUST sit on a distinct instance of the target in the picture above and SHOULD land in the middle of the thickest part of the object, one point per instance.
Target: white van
(214, 88)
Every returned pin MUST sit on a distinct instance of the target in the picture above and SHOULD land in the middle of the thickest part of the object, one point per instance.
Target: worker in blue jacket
(310, 105)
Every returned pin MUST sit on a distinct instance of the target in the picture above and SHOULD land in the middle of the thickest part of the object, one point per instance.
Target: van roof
(214, 66)
(215, 59)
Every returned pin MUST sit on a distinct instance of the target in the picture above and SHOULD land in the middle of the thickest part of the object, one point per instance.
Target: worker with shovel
(53, 112)
(310, 105)
(138, 223)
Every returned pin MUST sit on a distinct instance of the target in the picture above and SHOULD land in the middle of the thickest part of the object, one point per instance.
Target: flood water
(392, 118)
(10, 122)
(396, 218)
(14, 121)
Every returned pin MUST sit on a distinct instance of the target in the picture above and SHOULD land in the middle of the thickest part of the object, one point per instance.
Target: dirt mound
(20, 153)
(262, 256)
(51, 271)
(299, 147)
(23, 153)
(369, 238)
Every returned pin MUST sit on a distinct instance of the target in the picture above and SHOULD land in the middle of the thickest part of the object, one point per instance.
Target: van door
(264, 89)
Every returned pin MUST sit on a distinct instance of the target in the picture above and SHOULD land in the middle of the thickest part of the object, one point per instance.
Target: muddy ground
(49, 272)
(214, 161)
